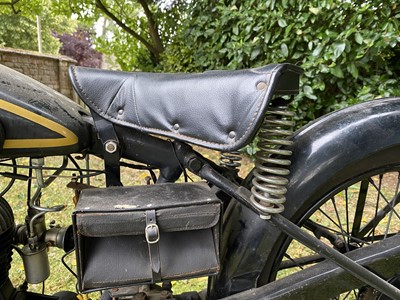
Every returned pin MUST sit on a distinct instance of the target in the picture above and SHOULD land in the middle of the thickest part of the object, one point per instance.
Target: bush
(348, 49)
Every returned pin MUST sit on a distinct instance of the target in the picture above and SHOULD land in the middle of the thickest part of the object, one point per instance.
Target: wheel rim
(362, 213)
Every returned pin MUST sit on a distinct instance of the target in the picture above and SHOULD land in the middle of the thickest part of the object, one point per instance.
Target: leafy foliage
(139, 29)
(79, 46)
(23, 7)
(19, 29)
(348, 49)
(125, 49)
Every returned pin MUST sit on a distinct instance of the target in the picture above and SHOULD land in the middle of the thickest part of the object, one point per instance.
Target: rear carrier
(146, 234)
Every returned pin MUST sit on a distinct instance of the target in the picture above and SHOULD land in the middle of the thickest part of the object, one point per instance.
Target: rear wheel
(361, 212)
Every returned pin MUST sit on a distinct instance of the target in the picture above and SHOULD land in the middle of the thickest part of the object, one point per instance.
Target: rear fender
(335, 148)
(327, 152)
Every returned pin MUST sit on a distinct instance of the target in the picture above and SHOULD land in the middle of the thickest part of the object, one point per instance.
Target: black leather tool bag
(146, 234)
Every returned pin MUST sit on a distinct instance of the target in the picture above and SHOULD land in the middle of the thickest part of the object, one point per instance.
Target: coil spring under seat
(7, 228)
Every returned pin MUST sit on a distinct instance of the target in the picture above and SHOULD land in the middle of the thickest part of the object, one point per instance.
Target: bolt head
(111, 146)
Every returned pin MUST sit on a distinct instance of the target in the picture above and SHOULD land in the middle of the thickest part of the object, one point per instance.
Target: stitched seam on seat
(115, 96)
(269, 72)
(175, 134)
(134, 100)
(83, 91)
(273, 70)
(197, 139)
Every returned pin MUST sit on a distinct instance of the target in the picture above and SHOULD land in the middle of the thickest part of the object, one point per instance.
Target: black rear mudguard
(327, 152)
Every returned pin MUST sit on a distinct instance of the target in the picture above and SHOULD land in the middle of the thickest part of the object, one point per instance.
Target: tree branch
(152, 26)
(129, 30)
(9, 2)
(12, 3)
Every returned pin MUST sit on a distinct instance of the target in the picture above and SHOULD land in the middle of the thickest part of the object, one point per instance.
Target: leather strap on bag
(152, 234)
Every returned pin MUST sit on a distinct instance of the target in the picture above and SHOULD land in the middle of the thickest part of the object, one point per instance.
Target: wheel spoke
(378, 197)
(380, 215)
(355, 216)
(347, 295)
(368, 240)
(389, 205)
(392, 204)
(329, 218)
(300, 262)
(362, 196)
(347, 213)
(340, 224)
(339, 233)
(388, 223)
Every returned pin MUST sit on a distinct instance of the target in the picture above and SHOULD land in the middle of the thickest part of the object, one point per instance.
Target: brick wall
(50, 70)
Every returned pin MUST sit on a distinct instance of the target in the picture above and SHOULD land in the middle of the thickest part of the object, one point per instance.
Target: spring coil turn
(231, 160)
(272, 162)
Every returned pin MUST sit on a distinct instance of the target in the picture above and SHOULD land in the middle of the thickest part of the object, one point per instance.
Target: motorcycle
(332, 186)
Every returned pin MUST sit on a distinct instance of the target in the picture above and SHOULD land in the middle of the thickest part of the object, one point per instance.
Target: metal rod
(199, 167)
(326, 280)
(338, 258)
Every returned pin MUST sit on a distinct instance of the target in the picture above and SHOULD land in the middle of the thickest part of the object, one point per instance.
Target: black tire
(6, 236)
(361, 227)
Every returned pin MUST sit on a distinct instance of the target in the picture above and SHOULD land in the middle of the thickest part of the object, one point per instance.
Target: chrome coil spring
(231, 160)
(272, 162)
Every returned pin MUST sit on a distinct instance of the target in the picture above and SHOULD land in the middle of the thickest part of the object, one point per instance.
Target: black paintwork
(220, 110)
(326, 280)
(26, 93)
(328, 152)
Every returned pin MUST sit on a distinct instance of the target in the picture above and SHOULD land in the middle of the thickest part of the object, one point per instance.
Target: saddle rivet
(232, 135)
(121, 111)
(261, 85)
(176, 127)
(111, 146)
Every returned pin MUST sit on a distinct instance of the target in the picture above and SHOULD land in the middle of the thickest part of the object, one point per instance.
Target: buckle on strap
(152, 233)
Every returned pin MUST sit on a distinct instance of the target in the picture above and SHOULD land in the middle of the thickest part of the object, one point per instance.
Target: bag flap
(122, 210)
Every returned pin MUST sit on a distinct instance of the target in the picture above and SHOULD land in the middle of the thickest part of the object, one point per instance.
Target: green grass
(342, 212)
(57, 193)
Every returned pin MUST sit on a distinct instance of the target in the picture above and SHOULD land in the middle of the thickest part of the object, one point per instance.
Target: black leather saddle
(220, 110)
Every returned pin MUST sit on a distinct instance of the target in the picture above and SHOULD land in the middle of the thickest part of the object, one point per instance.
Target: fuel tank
(38, 121)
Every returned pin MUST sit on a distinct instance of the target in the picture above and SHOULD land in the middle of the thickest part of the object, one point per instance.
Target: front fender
(326, 153)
